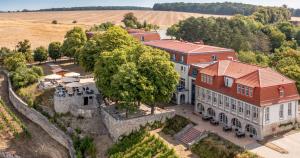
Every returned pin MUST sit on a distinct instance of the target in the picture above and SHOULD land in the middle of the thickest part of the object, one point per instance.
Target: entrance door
(193, 91)
(85, 101)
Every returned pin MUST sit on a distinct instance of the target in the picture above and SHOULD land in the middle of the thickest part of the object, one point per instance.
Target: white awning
(72, 74)
(53, 77)
(69, 79)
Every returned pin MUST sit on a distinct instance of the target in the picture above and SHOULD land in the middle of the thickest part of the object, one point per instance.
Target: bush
(215, 146)
(84, 146)
(24, 76)
(175, 124)
(74, 22)
(54, 22)
(14, 61)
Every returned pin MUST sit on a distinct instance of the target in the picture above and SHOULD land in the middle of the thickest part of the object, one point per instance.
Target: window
(255, 112)
(246, 91)
(205, 79)
(228, 81)
(226, 102)
(203, 93)
(233, 104)
(173, 57)
(220, 100)
(238, 88)
(182, 59)
(267, 114)
(290, 109)
(202, 77)
(243, 90)
(195, 72)
(240, 107)
(247, 110)
(214, 58)
(281, 111)
(250, 92)
(142, 38)
(181, 84)
(281, 92)
(214, 96)
(208, 96)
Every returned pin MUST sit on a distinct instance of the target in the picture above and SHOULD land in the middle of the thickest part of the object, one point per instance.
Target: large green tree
(148, 73)
(74, 40)
(54, 50)
(115, 37)
(23, 46)
(40, 54)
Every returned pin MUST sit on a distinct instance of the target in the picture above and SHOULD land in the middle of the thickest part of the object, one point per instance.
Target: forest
(226, 8)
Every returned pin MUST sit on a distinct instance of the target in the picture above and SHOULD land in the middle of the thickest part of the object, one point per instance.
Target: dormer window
(281, 92)
(182, 58)
(244, 90)
(206, 79)
(214, 58)
(173, 57)
(228, 81)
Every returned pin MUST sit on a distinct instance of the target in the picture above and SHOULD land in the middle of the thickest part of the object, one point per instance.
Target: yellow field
(38, 29)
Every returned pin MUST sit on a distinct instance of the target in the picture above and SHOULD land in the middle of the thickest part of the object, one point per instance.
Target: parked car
(240, 134)
(206, 118)
(227, 128)
(214, 122)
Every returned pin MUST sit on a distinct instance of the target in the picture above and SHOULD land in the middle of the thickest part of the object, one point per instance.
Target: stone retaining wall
(119, 127)
(40, 120)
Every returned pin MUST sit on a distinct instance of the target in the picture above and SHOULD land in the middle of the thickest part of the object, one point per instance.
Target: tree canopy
(23, 46)
(40, 54)
(74, 40)
(130, 21)
(136, 74)
(14, 60)
(54, 50)
(115, 37)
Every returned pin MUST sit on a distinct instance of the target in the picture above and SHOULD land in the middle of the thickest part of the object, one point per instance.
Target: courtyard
(289, 142)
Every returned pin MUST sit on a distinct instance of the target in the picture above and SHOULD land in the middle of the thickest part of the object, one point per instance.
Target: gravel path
(40, 145)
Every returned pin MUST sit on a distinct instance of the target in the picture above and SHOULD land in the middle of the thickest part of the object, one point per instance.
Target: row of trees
(226, 8)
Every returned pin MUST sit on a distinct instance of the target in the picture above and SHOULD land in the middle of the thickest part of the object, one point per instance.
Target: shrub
(14, 61)
(24, 76)
(54, 22)
(74, 22)
(175, 124)
(84, 146)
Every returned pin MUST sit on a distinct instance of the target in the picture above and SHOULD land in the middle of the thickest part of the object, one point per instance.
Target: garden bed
(215, 146)
(175, 124)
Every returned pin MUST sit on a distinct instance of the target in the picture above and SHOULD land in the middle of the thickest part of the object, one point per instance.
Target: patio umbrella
(72, 74)
(53, 77)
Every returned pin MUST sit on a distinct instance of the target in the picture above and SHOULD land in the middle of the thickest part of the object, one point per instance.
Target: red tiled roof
(147, 36)
(264, 81)
(186, 47)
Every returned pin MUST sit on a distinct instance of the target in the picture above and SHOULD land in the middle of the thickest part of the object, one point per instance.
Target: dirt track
(40, 145)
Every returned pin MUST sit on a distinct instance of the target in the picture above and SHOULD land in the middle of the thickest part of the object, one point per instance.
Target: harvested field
(37, 27)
